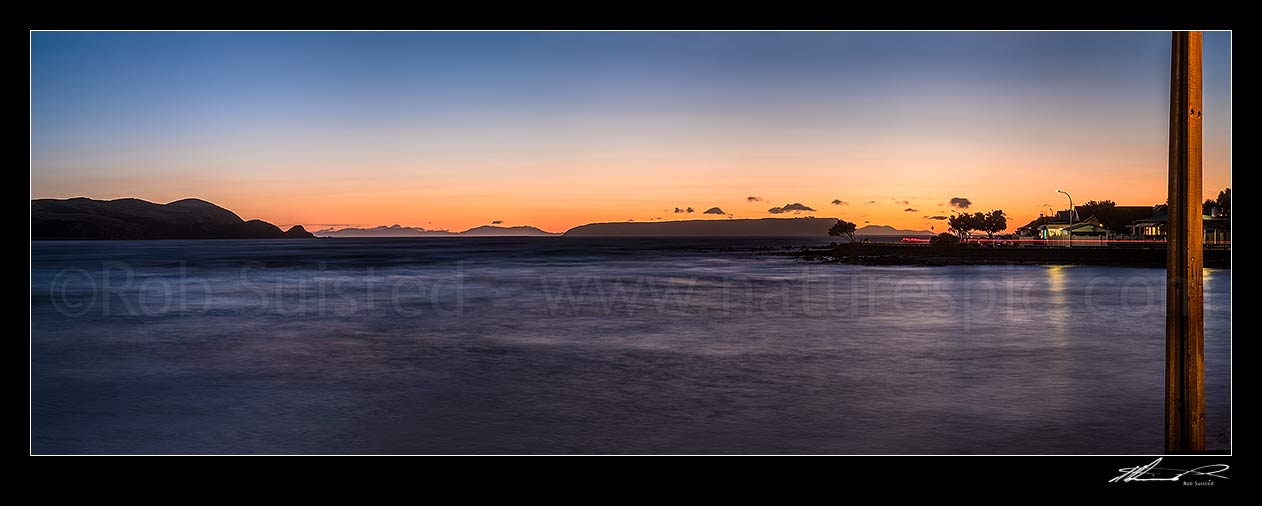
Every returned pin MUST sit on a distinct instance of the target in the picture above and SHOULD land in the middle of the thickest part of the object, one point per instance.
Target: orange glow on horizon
(556, 193)
(633, 193)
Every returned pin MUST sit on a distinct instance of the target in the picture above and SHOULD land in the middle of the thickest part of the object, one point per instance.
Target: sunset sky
(454, 130)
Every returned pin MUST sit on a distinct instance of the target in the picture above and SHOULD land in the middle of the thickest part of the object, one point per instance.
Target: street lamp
(1071, 206)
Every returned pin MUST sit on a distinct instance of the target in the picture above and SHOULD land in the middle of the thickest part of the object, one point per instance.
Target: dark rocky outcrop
(298, 232)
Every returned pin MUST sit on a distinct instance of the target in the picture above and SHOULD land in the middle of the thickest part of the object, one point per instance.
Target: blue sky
(561, 128)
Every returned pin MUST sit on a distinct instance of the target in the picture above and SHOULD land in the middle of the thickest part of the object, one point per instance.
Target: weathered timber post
(1185, 326)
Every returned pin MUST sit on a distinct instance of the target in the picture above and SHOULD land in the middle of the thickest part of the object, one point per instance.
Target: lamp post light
(1071, 206)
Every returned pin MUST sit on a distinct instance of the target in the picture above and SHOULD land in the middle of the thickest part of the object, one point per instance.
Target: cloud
(866, 221)
(903, 202)
(938, 217)
(497, 222)
(795, 208)
(688, 210)
(910, 210)
(753, 199)
(714, 210)
(870, 202)
(960, 202)
(839, 202)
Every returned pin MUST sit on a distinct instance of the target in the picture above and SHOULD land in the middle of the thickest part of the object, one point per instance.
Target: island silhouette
(755, 227)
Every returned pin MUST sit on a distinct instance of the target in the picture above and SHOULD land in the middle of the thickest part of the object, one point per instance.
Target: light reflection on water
(579, 346)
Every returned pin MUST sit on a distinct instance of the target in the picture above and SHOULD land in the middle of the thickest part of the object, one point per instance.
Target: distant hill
(383, 231)
(886, 230)
(84, 218)
(764, 227)
(492, 230)
(398, 231)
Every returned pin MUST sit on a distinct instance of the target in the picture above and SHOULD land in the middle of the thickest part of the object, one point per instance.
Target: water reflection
(520, 346)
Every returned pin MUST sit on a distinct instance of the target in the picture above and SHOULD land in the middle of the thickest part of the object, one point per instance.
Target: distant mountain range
(399, 231)
(886, 230)
(383, 231)
(84, 218)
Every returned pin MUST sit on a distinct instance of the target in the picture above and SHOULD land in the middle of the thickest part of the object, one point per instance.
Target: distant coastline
(757, 227)
(400, 231)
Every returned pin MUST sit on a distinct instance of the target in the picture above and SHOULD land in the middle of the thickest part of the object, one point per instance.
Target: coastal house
(1050, 230)
(1051, 226)
(1147, 222)
(1117, 219)
(1058, 227)
(1216, 228)
(1090, 228)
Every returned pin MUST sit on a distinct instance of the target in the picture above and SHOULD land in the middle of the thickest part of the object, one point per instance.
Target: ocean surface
(565, 345)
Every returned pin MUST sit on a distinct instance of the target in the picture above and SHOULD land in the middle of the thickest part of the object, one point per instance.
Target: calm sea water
(562, 345)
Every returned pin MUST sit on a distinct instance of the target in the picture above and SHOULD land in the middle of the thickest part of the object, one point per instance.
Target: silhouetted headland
(84, 218)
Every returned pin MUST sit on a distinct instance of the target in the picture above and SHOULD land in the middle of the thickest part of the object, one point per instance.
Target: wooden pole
(1185, 326)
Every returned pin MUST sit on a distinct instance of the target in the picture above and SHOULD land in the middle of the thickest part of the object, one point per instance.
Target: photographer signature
(1151, 472)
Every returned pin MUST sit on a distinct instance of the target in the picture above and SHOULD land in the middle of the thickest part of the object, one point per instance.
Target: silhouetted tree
(1224, 202)
(843, 228)
(1097, 208)
(992, 222)
(962, 224)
